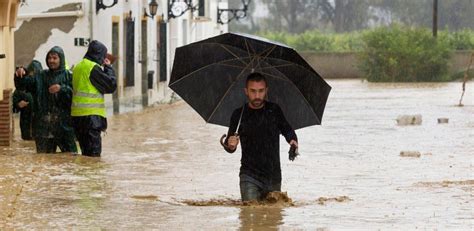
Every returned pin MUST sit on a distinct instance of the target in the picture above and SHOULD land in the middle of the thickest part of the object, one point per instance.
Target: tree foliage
(298, 16)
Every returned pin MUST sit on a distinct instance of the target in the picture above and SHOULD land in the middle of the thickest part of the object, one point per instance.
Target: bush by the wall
(459, 40)
(404, 54)
(460, 75)
(318, 41)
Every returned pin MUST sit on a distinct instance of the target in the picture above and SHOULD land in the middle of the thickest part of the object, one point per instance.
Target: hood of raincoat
(34, 67)
(96, 52)
(58, 50)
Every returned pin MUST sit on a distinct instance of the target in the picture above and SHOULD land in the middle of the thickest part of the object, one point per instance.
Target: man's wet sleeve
(27, 83)
(16, 98)
(66, 90)
(234, 120)
(104, 80)
(285, 128)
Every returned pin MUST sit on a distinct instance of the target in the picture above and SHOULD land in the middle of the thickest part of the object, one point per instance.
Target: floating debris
(324, 200)
(446, 183)
(410, 154)
(405, 120)
(145, 197)
(214, 202)
(443, 120)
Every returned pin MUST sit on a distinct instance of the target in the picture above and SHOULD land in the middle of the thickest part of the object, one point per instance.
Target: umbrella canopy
(210, 76)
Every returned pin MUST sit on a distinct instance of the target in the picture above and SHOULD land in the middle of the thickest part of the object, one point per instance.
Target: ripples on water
(350, 173)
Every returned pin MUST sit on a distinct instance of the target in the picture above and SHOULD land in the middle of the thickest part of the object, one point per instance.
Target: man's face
(53, 61)
(256, 92)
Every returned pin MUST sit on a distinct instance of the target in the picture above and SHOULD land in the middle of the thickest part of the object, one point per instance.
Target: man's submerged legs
(45, 145)
(250, 191)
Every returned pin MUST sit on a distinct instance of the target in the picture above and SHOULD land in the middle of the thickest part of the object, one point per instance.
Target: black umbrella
(210, 76)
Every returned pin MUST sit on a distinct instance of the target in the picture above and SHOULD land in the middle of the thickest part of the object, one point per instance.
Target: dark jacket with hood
(52, 112)
(26, 113)
(104, 80)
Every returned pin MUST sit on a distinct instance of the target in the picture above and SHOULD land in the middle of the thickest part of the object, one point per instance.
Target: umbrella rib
(269, 51)
(218, 63)
(298, 90)
(249, 48)
(260, 57)
(227, 91)
(307, 103)
(248, 51)
(232, 53)
(291, 63)
(283, 65)
(275, 76)
(223, 64)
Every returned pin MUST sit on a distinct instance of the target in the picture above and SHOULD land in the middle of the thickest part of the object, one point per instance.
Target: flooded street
(350, 173)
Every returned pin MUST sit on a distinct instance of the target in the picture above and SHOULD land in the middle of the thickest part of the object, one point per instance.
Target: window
(202, 8)
(130, 53)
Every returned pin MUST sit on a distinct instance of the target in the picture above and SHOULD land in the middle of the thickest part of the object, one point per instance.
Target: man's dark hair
(257, 77)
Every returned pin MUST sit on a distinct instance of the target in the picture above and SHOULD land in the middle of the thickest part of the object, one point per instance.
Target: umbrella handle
(222, 141)
(223, 138)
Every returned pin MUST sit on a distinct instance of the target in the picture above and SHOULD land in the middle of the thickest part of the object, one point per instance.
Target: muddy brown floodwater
(163, 168)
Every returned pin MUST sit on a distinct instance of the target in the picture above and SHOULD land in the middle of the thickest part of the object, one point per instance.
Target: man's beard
(257, 102)
(53, 67)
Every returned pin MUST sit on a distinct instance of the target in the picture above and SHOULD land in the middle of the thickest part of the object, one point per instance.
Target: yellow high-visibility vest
(86, 99)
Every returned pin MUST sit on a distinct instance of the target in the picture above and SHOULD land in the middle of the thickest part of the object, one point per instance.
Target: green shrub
(312, 41)
(459, 40)
(460, 75)
(404, 54)
(318, 41)
(348, 42)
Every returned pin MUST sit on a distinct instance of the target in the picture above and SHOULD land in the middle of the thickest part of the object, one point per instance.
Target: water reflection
(90, 191)
(260, 218)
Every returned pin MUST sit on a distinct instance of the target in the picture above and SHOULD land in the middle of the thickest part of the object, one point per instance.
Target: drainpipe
(91, 11)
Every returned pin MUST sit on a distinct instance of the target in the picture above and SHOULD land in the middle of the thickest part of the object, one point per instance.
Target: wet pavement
(163, 168)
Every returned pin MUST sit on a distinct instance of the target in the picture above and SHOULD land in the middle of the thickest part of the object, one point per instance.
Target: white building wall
(58, 38)
(91, 25)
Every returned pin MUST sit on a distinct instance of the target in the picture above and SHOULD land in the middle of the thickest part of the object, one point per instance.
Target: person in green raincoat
(23, 104)
(52, 94)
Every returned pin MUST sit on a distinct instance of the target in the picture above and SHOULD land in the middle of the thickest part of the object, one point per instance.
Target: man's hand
(293, 150)
(22, 104)
(20, 72)
(293, 142)
(106, 61)
(54, 88)
(233, 142)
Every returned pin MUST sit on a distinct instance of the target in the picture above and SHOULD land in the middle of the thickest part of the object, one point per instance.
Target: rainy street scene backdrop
(378, 92)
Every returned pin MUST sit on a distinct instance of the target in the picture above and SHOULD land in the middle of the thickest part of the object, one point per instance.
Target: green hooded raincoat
(52, 120)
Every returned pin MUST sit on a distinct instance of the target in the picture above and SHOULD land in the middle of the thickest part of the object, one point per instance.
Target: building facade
(8, 12)
(144, 45)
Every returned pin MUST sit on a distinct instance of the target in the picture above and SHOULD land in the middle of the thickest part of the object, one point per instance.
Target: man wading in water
(258, 125)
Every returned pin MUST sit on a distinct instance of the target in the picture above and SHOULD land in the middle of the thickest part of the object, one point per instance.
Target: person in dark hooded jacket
(22, 101)
(52, 93)
(92, 78)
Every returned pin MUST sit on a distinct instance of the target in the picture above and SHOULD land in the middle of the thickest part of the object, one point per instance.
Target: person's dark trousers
(26, 125)
(49, 145)
(254, 190)
(88, 130)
